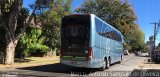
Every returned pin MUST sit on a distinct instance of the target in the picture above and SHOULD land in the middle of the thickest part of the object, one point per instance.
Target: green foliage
(32, 41)
(52, 21)
(137, 39)
(7, 5)
(127, 46)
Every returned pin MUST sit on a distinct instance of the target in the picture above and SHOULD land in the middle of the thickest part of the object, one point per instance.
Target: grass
(32, 61)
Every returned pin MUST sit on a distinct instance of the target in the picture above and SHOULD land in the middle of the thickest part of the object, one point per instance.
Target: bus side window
(114, 35)
(98, 26)
(102, 29)
(119, 38)
(108, 33)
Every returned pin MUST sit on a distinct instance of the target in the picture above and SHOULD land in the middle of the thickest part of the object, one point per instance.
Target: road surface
(130, 63)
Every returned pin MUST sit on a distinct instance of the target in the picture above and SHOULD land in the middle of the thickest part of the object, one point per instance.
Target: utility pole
(154, 40)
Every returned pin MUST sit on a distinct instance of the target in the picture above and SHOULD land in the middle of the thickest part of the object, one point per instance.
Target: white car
(126, 52)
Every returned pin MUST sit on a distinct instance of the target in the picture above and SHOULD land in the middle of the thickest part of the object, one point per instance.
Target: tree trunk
(10, 49)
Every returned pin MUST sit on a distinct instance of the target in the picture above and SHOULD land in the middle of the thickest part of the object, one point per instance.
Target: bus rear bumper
(84, 64)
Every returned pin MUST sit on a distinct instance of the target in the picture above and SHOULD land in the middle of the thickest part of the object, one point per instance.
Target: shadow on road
(145, 73)
(59, 68)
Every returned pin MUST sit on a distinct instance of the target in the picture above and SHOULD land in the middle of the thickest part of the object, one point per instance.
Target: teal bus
(87, 41)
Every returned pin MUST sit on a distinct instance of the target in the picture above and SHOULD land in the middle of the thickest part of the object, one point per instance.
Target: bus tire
(106, 64)
(120, 59)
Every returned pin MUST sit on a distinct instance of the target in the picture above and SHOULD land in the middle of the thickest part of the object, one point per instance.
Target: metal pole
(154, 40)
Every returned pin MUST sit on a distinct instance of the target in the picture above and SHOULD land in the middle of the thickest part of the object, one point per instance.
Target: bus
(89, 42)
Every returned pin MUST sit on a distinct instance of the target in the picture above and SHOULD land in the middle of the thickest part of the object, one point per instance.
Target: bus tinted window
(75, 26)
(106, 31)
(98, 26)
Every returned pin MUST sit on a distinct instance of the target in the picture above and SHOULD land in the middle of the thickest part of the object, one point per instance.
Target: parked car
(137, 53)
(126, 52)
(156, 56)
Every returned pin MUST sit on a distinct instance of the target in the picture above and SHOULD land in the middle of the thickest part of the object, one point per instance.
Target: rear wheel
(106, 64)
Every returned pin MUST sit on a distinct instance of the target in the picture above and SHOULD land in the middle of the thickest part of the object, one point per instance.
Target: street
(130, 63)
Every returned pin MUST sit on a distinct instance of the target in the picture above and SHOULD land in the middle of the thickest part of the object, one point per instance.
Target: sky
(147, 11)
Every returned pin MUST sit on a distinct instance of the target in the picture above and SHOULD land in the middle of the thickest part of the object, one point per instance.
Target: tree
(51, 21)
(9, 12)
(115, 12)
(9, 15)
(136, 40)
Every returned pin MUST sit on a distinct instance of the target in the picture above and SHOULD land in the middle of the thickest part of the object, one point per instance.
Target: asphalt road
(130, 63)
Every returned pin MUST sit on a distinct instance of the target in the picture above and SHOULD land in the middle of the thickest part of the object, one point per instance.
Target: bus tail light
(90, 54)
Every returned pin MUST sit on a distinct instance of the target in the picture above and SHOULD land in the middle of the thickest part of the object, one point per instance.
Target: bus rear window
(75, 32)
(76, 26)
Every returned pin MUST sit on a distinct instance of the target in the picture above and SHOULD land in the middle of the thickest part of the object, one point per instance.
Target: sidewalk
(34, 61)
(146, 66)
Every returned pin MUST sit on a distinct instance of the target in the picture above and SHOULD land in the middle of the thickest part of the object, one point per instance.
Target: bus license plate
(73, 62)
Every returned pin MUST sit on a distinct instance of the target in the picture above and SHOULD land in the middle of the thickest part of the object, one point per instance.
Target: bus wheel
(108, 63)
(104, 65)
(121, 57)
